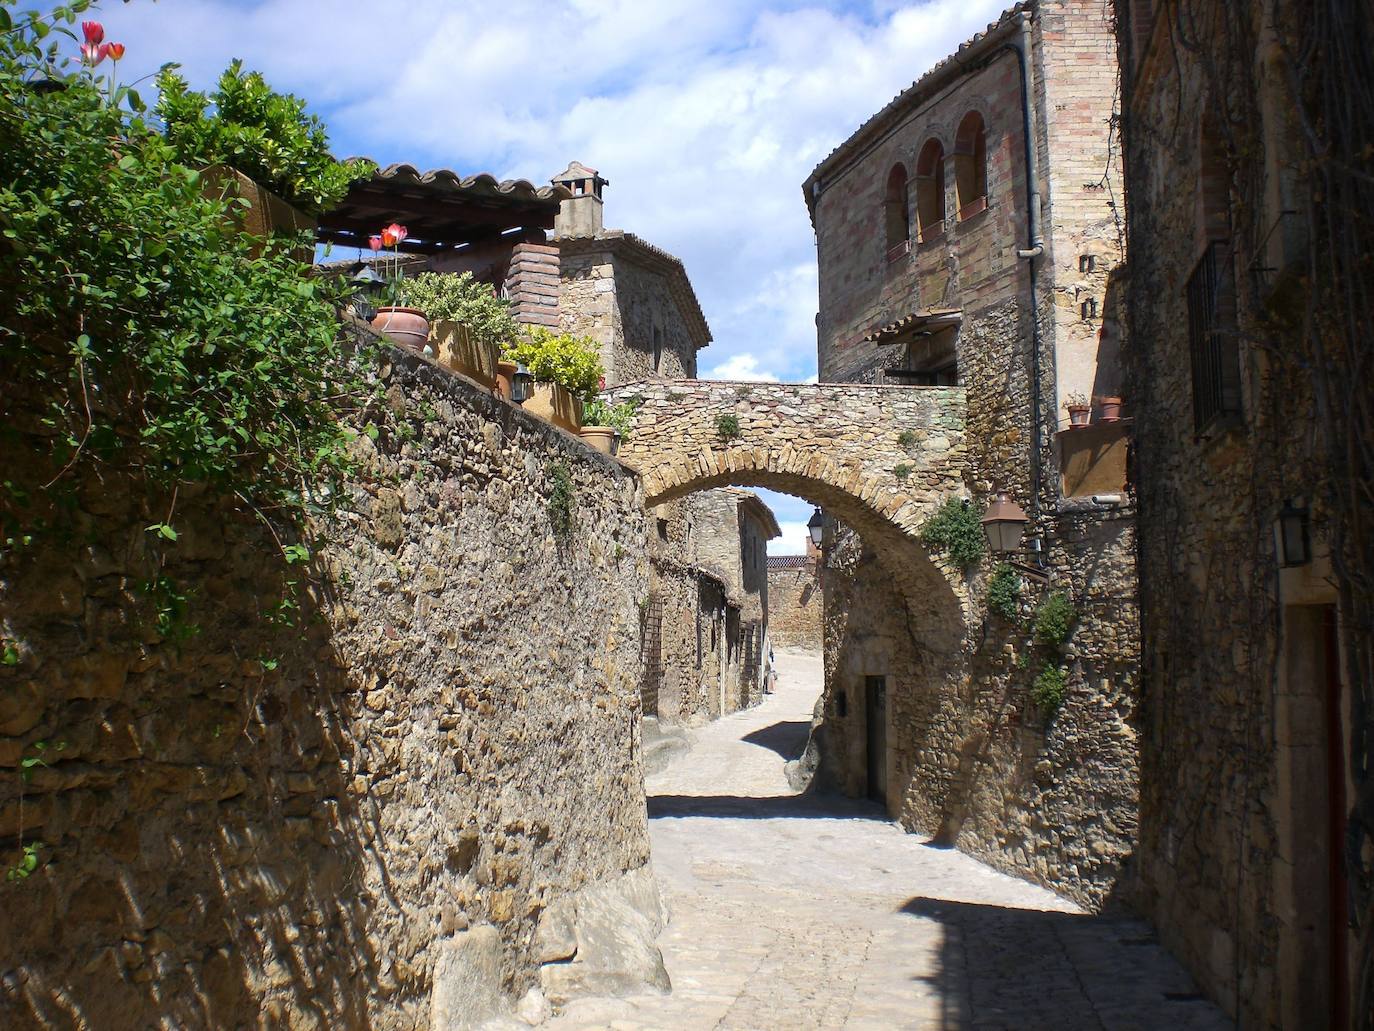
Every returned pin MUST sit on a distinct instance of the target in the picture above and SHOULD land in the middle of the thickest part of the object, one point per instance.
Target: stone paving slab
(791, 912)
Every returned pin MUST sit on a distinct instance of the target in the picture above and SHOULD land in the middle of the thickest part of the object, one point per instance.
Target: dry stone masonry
(419, 801)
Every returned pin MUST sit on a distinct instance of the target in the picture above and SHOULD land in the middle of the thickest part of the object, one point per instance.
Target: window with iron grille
(1212, 337)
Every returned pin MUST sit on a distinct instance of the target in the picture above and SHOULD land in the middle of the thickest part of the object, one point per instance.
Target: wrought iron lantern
(815, 526)
(1004, 524)
(521, 384)
(1293, 527)
(368, 287)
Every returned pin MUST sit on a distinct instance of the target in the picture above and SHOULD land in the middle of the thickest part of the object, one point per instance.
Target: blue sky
(705, 115)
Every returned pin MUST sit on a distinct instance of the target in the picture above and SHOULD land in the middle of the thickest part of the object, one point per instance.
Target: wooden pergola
(443, 210)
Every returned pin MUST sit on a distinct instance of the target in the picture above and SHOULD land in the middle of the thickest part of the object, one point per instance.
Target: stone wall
(1242, 699)
(794, 604)
(353, 814)
(969, 758)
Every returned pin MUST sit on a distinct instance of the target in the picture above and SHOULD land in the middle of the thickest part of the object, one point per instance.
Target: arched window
(896, 214)
(930, 191)
(971, 165)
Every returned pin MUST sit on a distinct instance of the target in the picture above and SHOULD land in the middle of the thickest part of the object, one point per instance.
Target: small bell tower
(580, 214)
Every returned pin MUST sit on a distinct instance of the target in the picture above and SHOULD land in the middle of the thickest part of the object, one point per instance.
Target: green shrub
(901, 471)
(727, 426)
(1049, 689)
(955, 529)
(906, 439)
(619, 417)
(1004, 592)
(265, 135)
(156, 338)
(570, 361)
(1054, 620)
(448, 295)
(560, 505)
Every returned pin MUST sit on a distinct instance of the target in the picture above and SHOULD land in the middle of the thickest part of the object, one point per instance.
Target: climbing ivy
(139, 326)
(956, 530)
(1049, 689)
(1004, 592)
(1054, 620)
(560, 506)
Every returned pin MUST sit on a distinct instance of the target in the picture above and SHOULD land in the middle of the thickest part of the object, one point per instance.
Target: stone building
(706, 623)
(794, 600)
(1243, 373)
(622, 291)
(965, 235)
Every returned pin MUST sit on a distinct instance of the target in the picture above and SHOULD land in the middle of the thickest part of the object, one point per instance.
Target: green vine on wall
(956, 530)
(1054, 620)
(561, 498)
(1004, 592)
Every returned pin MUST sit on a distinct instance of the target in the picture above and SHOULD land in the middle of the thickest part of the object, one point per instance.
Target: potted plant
(261, 147)
(1078, 408)
(398, 321)
(467, 321)
(1109, 408)
(567, 371)
(606, 425)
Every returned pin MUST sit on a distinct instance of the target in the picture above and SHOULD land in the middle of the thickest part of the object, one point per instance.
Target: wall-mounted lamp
(1004, 524)
(815, 526)
(1293, 528)
(521, 384)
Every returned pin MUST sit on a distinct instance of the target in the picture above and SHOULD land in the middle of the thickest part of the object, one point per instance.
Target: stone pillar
(532, 284)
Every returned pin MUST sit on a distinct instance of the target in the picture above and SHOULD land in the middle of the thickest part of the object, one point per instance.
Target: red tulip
(92, 54)
(93, 31)
(394, 234)
(116, 51)
(375, 242)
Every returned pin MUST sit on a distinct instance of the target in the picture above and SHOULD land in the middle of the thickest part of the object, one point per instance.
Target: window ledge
(973, 209)
(898, 251)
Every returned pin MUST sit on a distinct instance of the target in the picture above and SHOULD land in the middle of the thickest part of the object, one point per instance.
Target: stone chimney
(579, 215)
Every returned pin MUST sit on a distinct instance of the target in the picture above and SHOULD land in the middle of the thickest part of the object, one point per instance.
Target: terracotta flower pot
(1078, 415)
(405, 326)
(557, 405)
(1109, 409)
(456, 347)
(504, 372)
(600, 437)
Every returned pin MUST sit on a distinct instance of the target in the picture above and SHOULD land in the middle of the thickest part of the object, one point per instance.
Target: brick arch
(836, 445)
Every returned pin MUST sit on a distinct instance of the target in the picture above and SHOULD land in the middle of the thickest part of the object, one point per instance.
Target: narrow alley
(793, 912)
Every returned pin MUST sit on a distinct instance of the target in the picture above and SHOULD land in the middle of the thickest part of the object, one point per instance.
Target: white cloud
(792, 541)
(741, 367)
(706, 115)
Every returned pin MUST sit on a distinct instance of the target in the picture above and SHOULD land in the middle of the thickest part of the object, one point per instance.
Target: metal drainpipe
(1022, 48)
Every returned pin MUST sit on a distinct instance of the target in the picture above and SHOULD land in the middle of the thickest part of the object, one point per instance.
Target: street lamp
(815, 526)
(1294, 533)
(1004, 524)
(521, 384)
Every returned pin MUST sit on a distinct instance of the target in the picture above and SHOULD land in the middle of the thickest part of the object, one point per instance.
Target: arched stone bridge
(897, 450)
(879, 458)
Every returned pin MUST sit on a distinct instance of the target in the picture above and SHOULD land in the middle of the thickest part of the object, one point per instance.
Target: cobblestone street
(795, 913)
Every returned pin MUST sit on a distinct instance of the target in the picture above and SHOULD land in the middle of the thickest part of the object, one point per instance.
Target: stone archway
(880, 459)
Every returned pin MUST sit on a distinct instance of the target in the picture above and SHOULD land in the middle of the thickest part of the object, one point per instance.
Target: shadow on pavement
(1035, 968)
(767, 807)
(787, 738)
